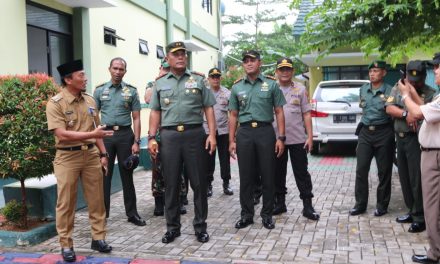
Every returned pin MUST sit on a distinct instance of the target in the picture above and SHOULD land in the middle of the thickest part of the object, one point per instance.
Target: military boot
(158, 206)
(309, 211)
(280, 204)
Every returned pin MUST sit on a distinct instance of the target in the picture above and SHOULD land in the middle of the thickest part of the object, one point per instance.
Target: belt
(116, 128)
(255, 124)
(182, 128)
(82, 147)
(377, 127)
(405, 134)
(429, 149)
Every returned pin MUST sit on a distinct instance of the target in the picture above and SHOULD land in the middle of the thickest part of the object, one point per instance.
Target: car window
(348, 93)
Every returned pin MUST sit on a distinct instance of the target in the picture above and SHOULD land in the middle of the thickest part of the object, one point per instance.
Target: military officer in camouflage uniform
(299, 141)
(157, 182)
(408, 147)
(177, 104)
(81, 154)
(221, 117)
(119, 103)
(376, 139)
(253, 101)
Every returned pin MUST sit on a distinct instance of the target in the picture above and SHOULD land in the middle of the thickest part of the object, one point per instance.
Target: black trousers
(224, 158)
(408, 161)
(256, 154)
(178, 148)
(379, 144)
(119, 145)
(299, 161)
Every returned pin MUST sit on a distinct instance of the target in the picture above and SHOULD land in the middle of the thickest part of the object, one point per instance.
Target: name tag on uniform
(166, 88)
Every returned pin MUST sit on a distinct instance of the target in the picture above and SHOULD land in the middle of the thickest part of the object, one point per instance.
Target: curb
(31, 237)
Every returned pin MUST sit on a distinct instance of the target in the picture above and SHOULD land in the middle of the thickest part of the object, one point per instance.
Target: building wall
(54, 5)
(204, 19)
(204, 60)
(13, 47)
(179, 6)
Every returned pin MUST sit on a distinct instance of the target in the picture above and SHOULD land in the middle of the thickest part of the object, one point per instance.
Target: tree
(391, 28)
(27, 148)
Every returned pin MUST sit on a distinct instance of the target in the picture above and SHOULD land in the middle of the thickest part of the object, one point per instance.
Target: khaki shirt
(297, 104)
(181, 100)
(116, 103)
(395, 98)
(220, 111)
(256, 100)
(429, 134)
(64, 110)
(372, 102)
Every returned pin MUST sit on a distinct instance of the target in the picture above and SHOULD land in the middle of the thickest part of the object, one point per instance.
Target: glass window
(47, 19)
(159, 52)
(143, 47)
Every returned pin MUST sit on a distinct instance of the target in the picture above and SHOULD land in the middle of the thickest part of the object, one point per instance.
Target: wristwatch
(404, 114)
(137, 141)
(282, 138)
(151, 137)
(104, 155)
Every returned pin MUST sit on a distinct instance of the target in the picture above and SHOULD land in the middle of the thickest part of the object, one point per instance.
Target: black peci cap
(70, 67)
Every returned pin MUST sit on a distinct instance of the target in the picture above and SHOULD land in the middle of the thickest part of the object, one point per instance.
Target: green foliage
(26, 146)
(232, 74)
(13, 212)
(393, 29)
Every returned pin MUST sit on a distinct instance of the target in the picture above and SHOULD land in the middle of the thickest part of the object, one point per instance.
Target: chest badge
(264, 87)
(191, 83)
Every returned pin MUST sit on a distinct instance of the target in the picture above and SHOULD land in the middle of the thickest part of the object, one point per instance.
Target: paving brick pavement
(335, 238)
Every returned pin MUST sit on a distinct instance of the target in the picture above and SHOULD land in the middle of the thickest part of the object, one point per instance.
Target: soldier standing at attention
(376, 139)
(429, 139)
(299, 141)
(72, 117)
(221, 117)
(408, 147)
(253, 101)
(177, 104)
(119, 103)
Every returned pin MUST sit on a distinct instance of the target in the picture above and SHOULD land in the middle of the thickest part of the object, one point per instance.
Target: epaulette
(236, 81)
(56, 98)
(160, 76)
(86, 93)
(131, 86)
(198, 73)
(270, 77)
(97, 86)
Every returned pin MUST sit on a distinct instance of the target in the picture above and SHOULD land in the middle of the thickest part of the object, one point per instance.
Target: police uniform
(376, 139)
(116, 103)
(408, 153)
(76, 160)
(222, 137)
(181, 100)
(255, 140)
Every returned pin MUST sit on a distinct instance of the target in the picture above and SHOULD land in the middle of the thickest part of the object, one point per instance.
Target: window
(143, 47)
(207, 5)
(159, 52)
(110, 36)
(345, 73)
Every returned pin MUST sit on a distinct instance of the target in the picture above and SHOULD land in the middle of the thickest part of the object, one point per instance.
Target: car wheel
(315, 150)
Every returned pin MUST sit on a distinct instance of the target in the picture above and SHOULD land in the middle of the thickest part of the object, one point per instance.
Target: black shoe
(268, 223)
(379, 212)
(170, 236)
(357, 211)
(202, 237)
(182, 209)
(417, 227)
(404, 219)
(101, 246)
(227, 190)
(242, 223)
(279, 209)
(68, 254)
(423, 259)
(310, 213)
(137, 220)
(209, 190)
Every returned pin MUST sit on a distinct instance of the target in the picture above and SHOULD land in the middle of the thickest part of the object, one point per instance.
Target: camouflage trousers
(158, 183)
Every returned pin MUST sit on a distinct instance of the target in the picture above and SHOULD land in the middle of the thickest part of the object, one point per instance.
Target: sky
(234, 8)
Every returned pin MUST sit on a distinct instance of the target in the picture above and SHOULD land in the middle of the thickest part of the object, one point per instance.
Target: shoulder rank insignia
(57, 97)
(129, 85)
(99, 85)
(236, 81)
(270, 77)
(198, 73)
(160, 76)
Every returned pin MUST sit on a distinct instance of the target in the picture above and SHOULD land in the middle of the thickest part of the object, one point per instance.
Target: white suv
(335, 112)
